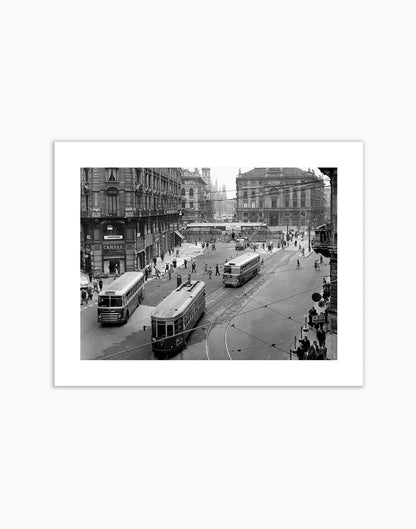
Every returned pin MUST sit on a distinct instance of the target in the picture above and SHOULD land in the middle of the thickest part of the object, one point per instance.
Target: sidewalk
(330, 338)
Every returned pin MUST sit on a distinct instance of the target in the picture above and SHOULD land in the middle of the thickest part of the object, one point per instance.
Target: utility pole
(309, 233)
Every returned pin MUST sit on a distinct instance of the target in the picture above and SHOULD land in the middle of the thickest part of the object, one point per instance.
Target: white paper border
(347, 156)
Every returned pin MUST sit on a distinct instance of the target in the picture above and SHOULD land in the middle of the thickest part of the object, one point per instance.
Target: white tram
(176, 316)
(241, 269)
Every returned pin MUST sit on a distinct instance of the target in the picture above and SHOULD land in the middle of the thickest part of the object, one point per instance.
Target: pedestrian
(162, 256)
(154, 260)
(205, 268)
(167, 268)
(169, 251)
(323, 353)
(217, 270)
(174, 263)
(146, 273)
(320, 334)
(157, 273)
(310, 317)
(298, 264)
(209, 273)
(115, 271)
(193, 267)
(321, 259)
(185, 262)
(300, 353)
(262, 262)
(314, 351)
(296, 243)
(100, 284)
(84, 296)
(316, 264)
(262, 245)
(177, 253)
(303, 252)
(90, 276)
(306, 343)
(169, 274)
(90, 292)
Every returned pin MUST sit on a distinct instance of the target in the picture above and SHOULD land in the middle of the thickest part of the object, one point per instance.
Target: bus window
(169, 329)
(116, 301)
(161, 329)
(103, 301)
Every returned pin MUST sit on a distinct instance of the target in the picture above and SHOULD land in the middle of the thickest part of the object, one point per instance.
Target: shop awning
(179, 234)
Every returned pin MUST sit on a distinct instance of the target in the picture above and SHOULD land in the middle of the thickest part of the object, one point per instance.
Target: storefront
(114, 257)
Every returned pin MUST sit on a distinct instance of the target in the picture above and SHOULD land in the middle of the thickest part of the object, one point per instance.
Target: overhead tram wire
(207, 324)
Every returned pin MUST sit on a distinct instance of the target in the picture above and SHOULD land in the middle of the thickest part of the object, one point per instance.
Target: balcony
(324, 241)
(91, 214)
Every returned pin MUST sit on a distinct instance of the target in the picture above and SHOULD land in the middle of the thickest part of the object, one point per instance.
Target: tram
(241, 269)
(175, 317)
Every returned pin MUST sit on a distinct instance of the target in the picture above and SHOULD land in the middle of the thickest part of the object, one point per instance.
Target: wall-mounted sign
(113, 248)
(113, 237)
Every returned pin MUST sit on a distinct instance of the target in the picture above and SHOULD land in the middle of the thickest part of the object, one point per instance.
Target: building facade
(282, 197)
(128, 216)
(326, 243)
(196, 204)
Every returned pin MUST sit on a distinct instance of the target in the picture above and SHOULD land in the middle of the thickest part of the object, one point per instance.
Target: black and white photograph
(242, 266)
(208, 263)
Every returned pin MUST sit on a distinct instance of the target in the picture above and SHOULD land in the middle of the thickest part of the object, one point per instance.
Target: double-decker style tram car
(176, 316)
(120, 298)
(241, 269)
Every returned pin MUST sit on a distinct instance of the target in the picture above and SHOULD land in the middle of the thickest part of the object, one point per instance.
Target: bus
(241, 269)
(241, 243)
(117, 303)
(175, 317)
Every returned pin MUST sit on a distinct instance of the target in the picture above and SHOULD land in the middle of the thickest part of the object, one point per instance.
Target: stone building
(196, 204)
(128, 216)
(282, 197)
(326, 243)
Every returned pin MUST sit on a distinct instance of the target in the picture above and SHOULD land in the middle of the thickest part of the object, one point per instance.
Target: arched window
(112, 201)
(191, 192)
(183, 191)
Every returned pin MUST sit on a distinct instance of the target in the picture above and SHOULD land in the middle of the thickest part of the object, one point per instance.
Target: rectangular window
(274, 203)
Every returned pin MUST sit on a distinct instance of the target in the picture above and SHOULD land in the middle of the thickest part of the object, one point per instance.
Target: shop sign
(112, 237)
(319, 318)
(113, 248)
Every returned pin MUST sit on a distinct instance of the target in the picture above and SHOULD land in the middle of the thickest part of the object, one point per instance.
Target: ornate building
(128, 216)
(282, 197)
(326, 243)
(196, 204)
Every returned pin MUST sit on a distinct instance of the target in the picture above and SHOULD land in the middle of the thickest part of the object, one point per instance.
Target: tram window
(154, 328)
(161, 329)
(180, 325)
(169, 329)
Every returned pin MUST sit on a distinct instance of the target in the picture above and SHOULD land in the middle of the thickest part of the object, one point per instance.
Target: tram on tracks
(241, 269)
(120, 298)
(175, 317)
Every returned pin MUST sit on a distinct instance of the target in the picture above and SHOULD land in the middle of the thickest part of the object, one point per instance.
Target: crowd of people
(315, 351)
